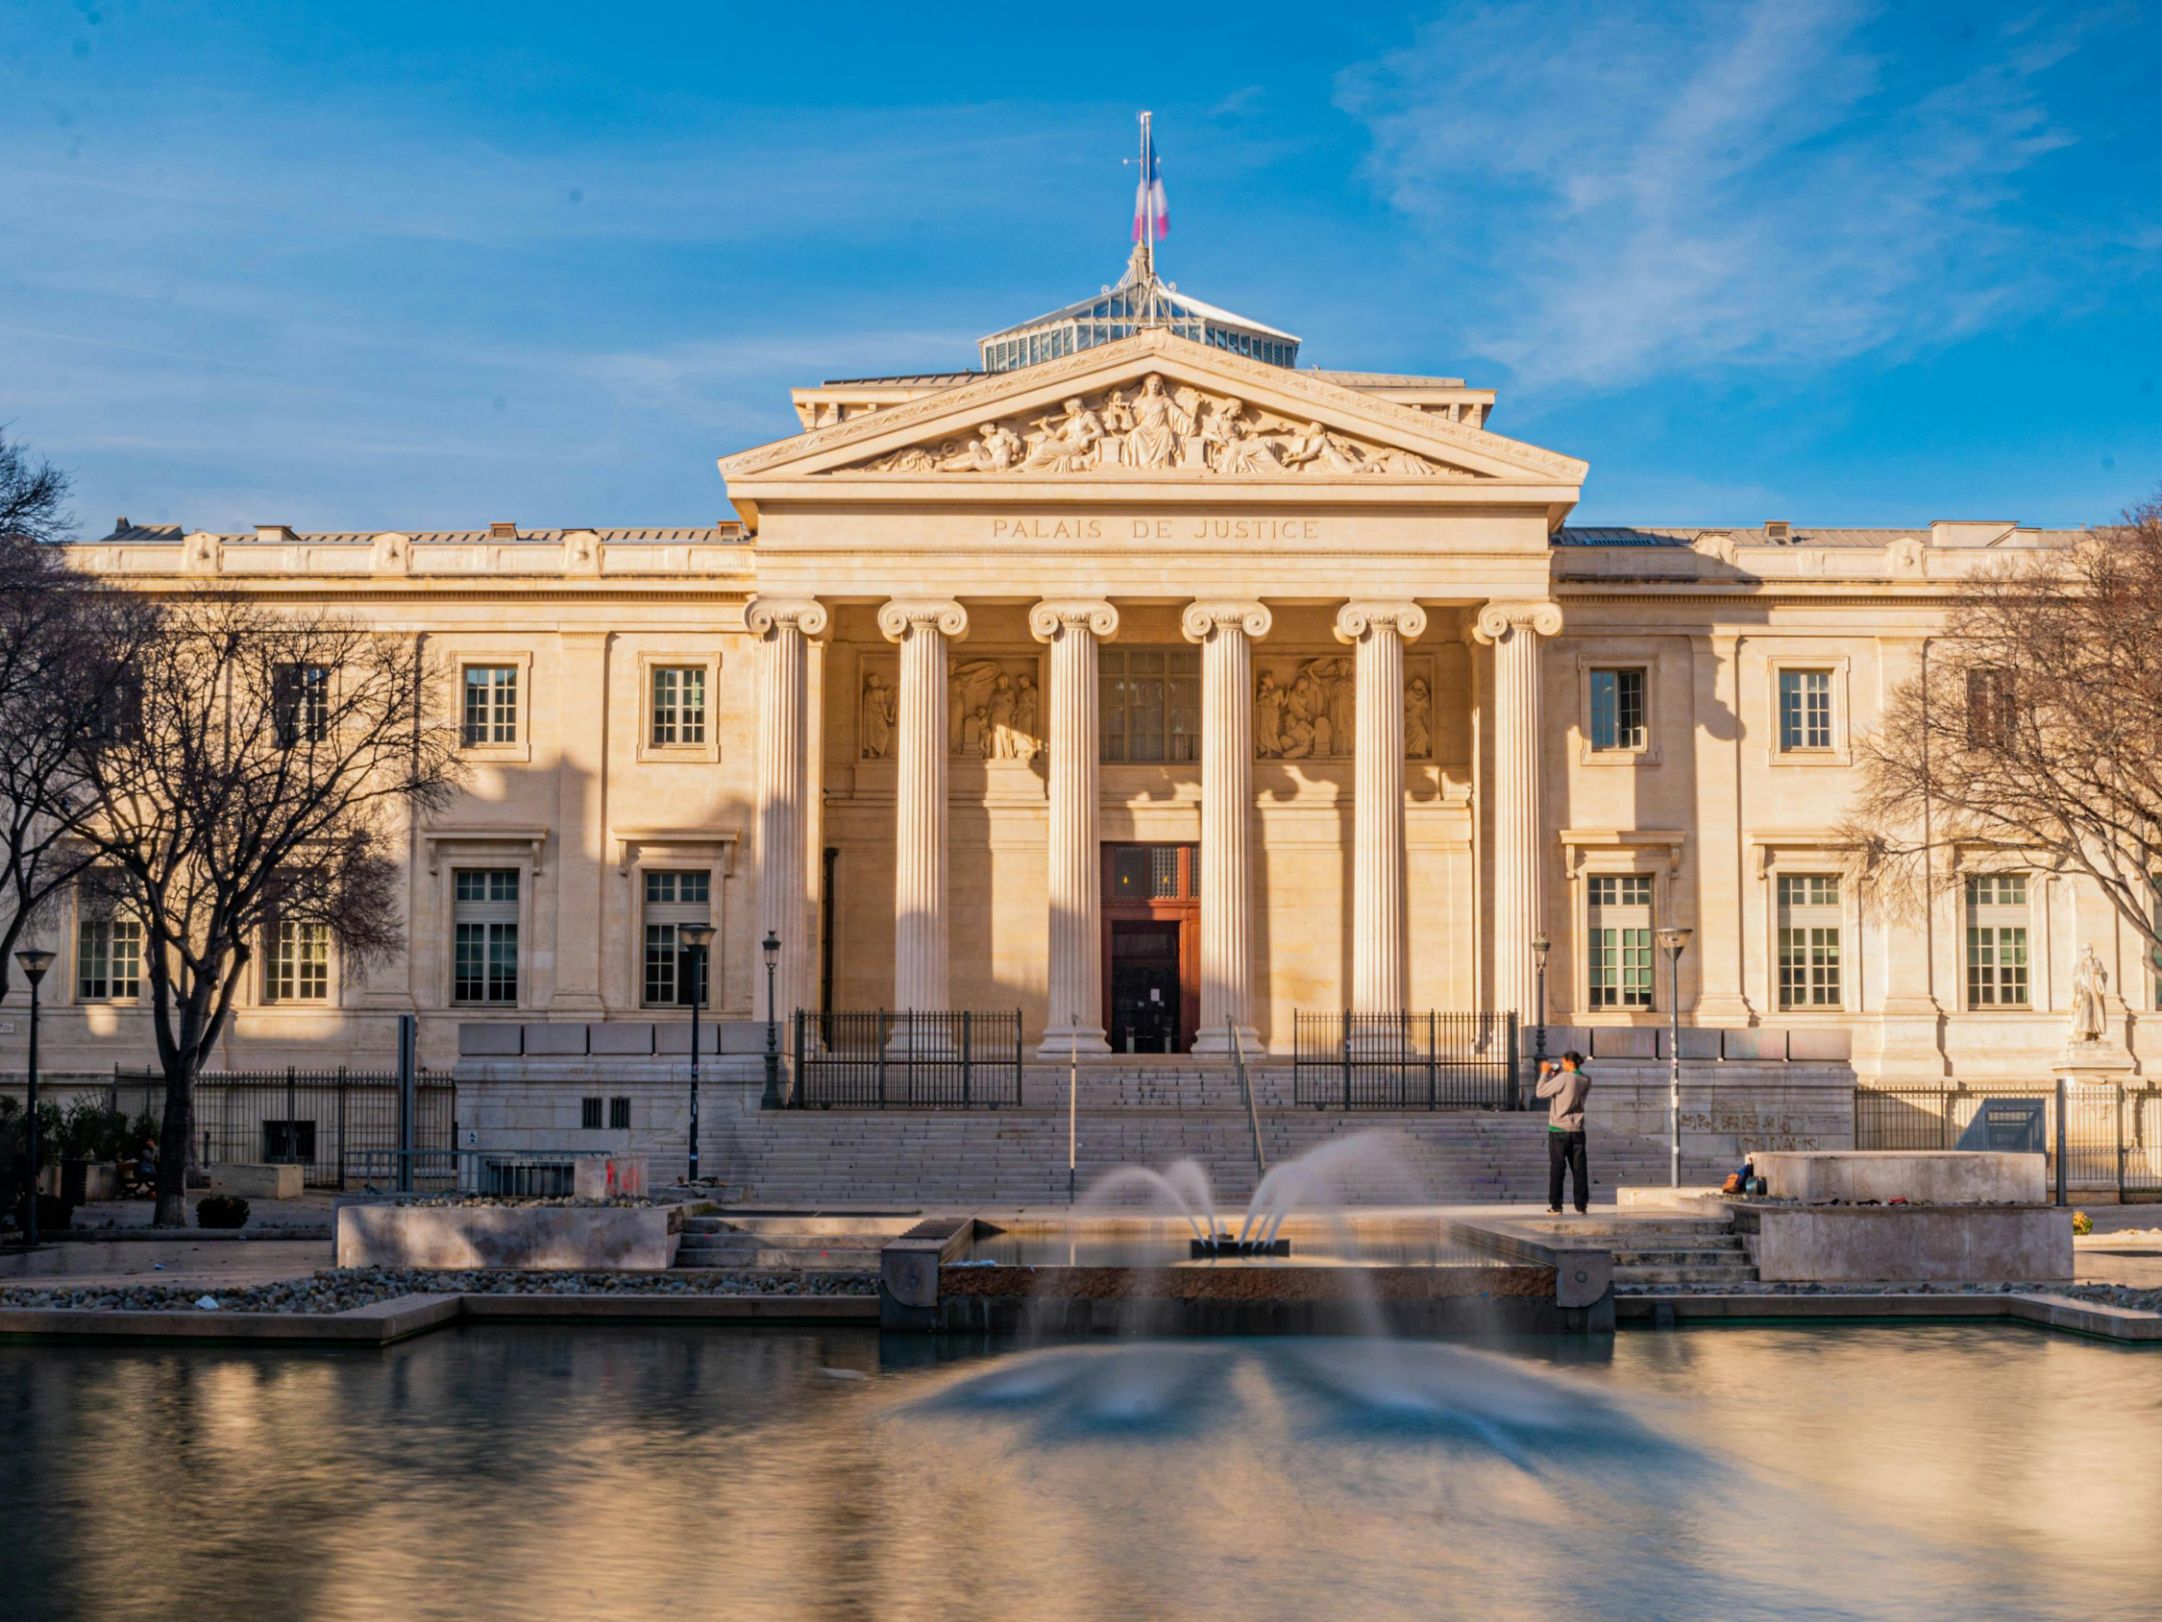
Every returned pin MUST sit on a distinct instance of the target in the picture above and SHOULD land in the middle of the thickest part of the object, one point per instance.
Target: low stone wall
(1729, 1110)
(280, 1182)
(557, 1237)
(1971, 1244)
(1921, 1177)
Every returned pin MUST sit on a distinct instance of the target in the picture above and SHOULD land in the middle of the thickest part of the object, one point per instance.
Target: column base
(1080, 1041)
(1217, 1040)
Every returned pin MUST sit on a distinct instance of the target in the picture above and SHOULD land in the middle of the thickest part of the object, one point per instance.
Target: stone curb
(381, 1323)
(2042, 1309)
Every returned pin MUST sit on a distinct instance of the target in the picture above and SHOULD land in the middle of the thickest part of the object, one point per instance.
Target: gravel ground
(2117, 1295)
(341, 1289)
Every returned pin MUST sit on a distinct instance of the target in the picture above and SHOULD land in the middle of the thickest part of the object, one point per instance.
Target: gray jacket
(1565, 1090)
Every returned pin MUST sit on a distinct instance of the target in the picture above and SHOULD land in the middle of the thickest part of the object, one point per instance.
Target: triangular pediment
(1151, 409)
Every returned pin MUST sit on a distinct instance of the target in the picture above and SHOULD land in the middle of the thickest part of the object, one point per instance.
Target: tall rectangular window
(1989, 708)
(491, 704)
(108, 959)
(484, 923)
(300, 962)
(675, 898)
(678, 705)
(1805, 709)
(1997, 940)
(1618, 950)
(1617, 710)
(1809, 924)
(1151, 703)
(300, 704)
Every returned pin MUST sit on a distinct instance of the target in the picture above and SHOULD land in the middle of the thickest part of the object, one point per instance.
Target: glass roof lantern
(1140, 301)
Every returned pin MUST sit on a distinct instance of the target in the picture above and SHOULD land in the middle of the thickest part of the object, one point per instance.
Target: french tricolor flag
(1149, 192)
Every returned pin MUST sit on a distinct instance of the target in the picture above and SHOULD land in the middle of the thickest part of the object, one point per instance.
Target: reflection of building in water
(1140, 566)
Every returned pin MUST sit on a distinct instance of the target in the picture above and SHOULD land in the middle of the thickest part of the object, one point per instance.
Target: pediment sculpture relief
(1159, 428)
(991, 711)
(1308, 710)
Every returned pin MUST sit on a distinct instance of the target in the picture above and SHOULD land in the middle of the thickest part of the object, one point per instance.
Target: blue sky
(373, 266)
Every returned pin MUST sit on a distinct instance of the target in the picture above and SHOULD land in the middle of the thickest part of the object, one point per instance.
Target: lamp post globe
(771, 1098)
(1674, 942)
(695, 938)
(34, 961)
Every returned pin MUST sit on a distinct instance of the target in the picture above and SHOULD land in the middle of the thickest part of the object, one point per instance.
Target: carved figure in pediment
(1401, 462)
(1066, 443)
(880, 711)
(915, 459)
(1316, 447)
(1269, 719)
(1118, 419)
(1152, 437)
(1244, 449)
(1418, 719)
(1186, 427)
(997, 449)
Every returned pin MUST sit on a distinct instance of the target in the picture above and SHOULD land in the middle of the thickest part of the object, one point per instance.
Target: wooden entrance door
(1152, 948)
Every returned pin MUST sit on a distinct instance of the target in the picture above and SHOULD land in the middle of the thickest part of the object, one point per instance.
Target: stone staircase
(1659, 1251)
(814, 1242)
(1149, 1115)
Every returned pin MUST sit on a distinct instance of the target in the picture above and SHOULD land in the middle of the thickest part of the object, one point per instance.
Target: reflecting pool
(691, 1472)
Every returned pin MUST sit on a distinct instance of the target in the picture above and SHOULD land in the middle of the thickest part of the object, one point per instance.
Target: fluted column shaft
(785, 629)
(923, 629)
(1226, 632)
(1074, 1015)
(1517, 905)
(1379, 944)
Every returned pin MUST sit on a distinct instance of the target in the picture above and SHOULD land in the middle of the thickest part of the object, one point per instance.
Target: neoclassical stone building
(1158, 687)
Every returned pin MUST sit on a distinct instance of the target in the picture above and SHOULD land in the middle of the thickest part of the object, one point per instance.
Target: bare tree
(265, 777)
(2035, 724)
(66, 648)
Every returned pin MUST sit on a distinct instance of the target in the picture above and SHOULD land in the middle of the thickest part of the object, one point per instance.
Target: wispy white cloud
(1651, 190)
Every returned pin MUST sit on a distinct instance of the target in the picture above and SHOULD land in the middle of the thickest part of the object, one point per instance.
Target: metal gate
(340, 1126)
(2099, 1138)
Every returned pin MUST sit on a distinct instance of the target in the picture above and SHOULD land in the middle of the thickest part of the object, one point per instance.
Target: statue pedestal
(2094, 1061)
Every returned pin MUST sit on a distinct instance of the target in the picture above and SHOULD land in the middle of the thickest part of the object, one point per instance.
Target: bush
(92, 1131)
(2082, 1222)
(221, 1211)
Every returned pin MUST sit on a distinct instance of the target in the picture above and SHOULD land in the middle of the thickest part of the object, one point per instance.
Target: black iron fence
(340, 1126)
(2098, 1138)
(1408, 1060)
(907, 1059)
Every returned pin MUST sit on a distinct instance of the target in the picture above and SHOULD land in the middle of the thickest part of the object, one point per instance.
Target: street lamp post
(1540, 946)
(1672, 942)
(35, 960)
(771, 946)
(696, 938)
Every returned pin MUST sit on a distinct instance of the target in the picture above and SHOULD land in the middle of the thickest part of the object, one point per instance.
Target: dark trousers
(1565, 1150)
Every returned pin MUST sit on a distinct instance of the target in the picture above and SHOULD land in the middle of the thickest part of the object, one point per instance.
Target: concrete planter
(279, 1182)
(1971, 1244)
(564, 1238)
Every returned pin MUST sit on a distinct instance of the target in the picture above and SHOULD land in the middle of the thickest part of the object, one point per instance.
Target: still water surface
(544, 1472)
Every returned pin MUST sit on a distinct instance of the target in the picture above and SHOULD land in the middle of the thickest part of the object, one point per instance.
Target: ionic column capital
(1054, 614)
(806, 614)
(1355, 619)
(905, 614)
(1499, 621)
(1204, 619)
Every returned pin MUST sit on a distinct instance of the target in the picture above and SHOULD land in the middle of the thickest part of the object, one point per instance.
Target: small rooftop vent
(502, 531)
(1778, 531)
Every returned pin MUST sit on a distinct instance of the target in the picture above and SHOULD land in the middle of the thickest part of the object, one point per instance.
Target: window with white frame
(1809, 926)
(491, 705)
(108, 959)
(673, 898)
(1997, 920)
(484, 925)
(300, 962)
(1618, 943)
(1805, 710)
(678, 706)
(1618, 710)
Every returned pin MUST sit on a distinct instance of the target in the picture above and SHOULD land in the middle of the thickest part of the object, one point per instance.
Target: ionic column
(1379, 951)
(923, 628)
(1073, 1018)
(1226, 632)
(785, 627)
(1517, 905)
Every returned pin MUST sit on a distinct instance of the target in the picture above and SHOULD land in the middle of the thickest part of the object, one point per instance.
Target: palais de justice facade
(1160, 688)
